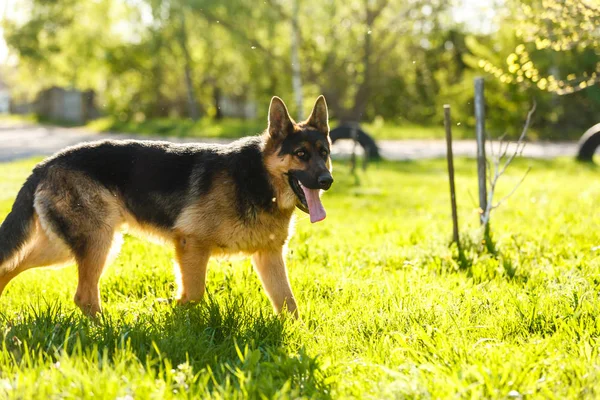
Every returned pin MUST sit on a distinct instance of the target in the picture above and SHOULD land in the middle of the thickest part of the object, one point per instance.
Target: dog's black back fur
(156, 178)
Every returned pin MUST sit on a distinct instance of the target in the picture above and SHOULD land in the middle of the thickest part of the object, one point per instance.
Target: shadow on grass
(232, 344)
(589, 165)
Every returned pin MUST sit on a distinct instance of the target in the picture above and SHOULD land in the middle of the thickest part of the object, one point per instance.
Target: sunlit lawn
(387, 312)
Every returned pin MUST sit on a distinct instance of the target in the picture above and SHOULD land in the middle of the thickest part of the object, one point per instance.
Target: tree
(349, 50)
(395, 59)
(568, 29)
(63, 38)
(544, 50)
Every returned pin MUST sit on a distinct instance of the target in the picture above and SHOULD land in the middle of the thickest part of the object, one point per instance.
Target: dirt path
(23, 140)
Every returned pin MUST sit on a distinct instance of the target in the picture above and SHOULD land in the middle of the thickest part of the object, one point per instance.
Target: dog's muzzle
(325, 181)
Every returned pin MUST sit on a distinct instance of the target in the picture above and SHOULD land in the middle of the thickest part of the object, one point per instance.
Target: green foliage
(388, 311)
(349, 51)
(545, 50)
(395, 60)
(62, 42)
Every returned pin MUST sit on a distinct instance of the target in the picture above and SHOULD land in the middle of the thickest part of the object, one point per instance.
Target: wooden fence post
(480, 132)
(450, 158)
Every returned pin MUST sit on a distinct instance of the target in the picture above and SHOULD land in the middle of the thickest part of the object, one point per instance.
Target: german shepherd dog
(204, 199)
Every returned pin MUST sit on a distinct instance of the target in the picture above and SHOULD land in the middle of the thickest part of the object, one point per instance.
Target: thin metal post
(480, 132)
(450, 158)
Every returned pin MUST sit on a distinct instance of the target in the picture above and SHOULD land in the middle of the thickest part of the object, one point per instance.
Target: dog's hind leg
(270, 266)
(85, 215)
(91, 261)
(192, 259)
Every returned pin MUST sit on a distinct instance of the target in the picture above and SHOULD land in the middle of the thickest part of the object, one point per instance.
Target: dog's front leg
(192, 258)
(270, 266)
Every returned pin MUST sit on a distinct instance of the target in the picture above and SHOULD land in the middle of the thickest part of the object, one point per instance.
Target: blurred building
(237, 107)
(66, 105)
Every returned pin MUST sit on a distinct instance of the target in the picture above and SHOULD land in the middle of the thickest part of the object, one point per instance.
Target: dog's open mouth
(309, 200)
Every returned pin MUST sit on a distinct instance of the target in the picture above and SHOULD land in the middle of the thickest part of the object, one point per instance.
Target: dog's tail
(18, 225)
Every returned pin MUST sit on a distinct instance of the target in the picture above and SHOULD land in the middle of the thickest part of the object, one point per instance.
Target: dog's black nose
(325, 181)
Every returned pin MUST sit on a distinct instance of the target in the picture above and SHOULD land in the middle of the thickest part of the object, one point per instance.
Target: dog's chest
(265, 232)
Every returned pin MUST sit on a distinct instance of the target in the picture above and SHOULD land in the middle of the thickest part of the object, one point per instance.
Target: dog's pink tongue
(315, 207)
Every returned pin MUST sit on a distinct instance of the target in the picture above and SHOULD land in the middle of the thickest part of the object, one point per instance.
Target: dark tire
(588, 144)
(369, 145)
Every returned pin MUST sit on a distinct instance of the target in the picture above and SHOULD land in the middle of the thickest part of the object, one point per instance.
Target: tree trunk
(296, 77)
(217, 101)
(361, 98)
(158, 108)
(189, 83)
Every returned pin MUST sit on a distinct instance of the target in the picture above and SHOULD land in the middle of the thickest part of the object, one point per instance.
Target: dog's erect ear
(280, 122)
(319, 117)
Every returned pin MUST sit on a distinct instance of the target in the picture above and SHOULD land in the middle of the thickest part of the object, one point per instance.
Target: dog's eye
(301, 154)
(324, 153)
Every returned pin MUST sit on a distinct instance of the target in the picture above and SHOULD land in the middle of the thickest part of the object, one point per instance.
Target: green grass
(388, 311)
(235, 128)
(205, 127)
(18, 118)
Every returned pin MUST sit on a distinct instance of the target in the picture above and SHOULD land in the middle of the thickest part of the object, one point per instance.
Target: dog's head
(297, 156)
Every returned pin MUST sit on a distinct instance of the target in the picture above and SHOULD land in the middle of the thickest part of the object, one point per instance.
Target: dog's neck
(275, 165)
